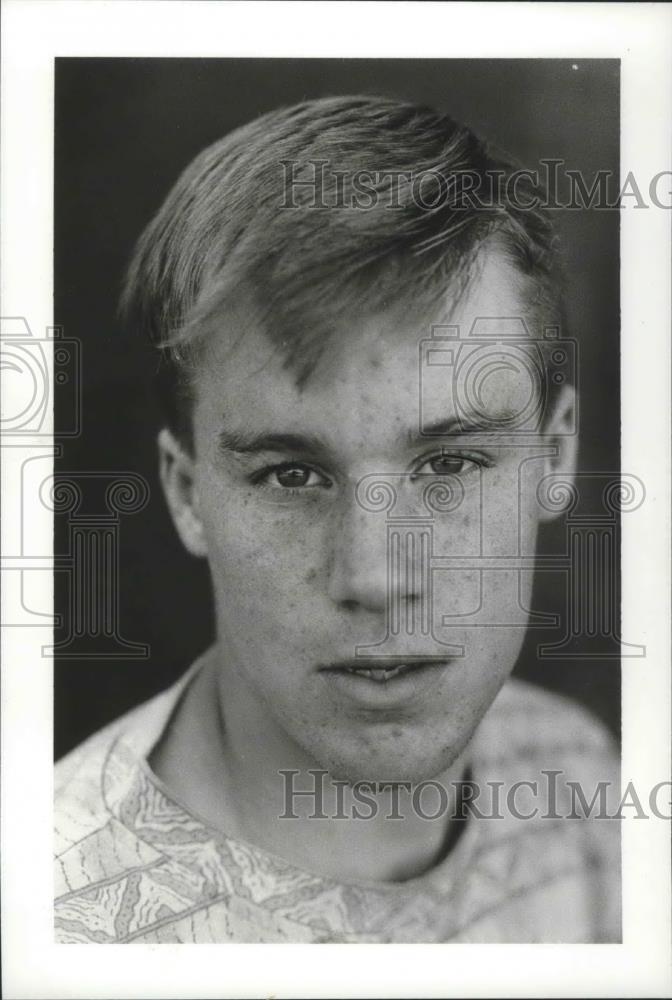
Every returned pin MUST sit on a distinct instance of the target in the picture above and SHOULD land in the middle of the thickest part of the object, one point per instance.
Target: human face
(302, 562)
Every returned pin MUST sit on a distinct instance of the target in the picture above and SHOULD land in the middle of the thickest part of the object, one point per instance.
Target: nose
(362, 567)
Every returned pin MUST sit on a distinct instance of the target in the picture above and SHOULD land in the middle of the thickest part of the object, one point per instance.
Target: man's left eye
(443, 465)
(294, 476)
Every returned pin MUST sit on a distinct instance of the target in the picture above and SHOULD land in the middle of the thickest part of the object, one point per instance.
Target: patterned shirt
(133, 865)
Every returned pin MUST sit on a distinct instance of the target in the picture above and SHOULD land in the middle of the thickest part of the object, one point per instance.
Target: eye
(291, 476)
(450, 464)
(444, 465)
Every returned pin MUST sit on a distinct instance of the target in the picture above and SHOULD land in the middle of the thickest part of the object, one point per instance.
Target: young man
(353, 310)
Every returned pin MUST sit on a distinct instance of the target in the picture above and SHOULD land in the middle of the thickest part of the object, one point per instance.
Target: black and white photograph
(337, 552)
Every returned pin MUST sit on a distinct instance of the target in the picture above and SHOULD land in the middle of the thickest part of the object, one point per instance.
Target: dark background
(124, 129)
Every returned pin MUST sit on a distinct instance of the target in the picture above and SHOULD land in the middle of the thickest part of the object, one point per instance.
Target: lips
(383, 671)
(384, 688)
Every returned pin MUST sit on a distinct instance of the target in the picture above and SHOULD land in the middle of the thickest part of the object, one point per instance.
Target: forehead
(370, 371)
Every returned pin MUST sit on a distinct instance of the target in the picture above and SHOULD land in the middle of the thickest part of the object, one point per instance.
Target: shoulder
(529, 725)
(558, 771)
(566, 757)
(92, 844)
(80, 776)
(79, 800)
(98, 854)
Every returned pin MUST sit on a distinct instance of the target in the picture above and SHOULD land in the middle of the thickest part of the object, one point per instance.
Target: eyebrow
(456, 427)
(250, 443)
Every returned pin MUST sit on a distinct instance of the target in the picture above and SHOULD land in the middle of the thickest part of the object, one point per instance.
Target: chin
(391, 767)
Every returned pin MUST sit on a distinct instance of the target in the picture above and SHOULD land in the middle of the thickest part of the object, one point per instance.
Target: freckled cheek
(248, 541)
(486, 523)
(458, 532)
(492, 518)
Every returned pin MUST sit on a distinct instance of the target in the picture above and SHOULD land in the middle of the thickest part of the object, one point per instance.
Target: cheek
(249, 541)
(479, 602)
(260, 569)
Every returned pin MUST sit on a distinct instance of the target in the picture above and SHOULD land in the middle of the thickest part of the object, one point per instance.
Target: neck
(249, 780)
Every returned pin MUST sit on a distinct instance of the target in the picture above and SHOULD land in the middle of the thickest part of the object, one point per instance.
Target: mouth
(384, 671)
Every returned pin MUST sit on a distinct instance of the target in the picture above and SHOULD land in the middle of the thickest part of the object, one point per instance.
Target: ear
(177, 471)
(561, 432)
